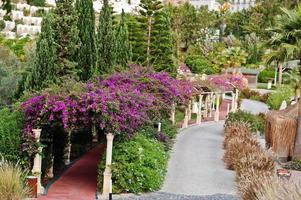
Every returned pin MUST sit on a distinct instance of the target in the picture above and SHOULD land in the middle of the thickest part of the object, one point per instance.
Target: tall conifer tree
(66, 38)
(123, 51)
(43, 72)
(161, 55)
(86, 25)
(106, 40)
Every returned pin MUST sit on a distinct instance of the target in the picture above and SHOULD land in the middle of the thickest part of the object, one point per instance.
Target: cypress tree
(86, 25)
(106, 40)
(66, 38)
(161, 55)
(123, 51)
(43, 71)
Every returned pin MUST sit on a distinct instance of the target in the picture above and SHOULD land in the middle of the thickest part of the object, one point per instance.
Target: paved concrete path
(254, 107)
(196, 166)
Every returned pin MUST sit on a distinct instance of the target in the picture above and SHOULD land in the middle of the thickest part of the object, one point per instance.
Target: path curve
(196, 166)
(79, 181)
(254, 107)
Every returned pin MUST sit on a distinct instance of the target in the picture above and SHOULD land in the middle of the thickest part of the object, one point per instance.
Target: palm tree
(287, 36)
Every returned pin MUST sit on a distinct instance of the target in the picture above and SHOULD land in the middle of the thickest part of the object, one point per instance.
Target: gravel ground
(167, 196)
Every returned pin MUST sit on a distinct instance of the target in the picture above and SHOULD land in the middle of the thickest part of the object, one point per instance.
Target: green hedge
(256, 122)
(267, 74)
(276, 98)
(10, 132)
(199, 65)
(139, 165)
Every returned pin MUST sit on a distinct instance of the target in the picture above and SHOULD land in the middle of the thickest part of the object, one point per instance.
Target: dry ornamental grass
(11, 185)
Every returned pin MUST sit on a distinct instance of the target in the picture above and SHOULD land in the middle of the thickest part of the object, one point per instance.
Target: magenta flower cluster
(119, 104)
(228, 82)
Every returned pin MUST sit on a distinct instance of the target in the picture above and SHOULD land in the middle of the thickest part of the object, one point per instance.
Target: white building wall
(237, 5)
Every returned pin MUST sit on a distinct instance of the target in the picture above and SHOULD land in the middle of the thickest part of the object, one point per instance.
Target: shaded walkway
(196, 166)
(79, 181)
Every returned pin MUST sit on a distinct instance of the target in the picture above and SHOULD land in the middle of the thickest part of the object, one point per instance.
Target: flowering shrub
(119, 104)
(228, 82)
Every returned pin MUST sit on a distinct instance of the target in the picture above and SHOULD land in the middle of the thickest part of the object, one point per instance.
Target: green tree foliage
(136, 41)
(87, 55)
(10, 134)
(148, 11)
(161, 49)
(44, 71)
(123, 50)
(106, 40)
(66, 38)
(6, 5)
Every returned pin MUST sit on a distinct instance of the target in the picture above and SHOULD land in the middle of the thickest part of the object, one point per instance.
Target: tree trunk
(297, 151)
(280, 67)
(149, 24)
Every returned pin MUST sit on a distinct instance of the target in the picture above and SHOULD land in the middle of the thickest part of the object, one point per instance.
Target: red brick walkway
(79, 181)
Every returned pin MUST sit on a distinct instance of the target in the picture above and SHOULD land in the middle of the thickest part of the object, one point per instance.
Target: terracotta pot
(32, 183)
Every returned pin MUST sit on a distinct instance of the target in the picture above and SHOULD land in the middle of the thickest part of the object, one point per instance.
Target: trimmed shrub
(256, 123)
(265, 75)
(139, 165)
(199, 65)
(10, 134)
(12, 185)
(276, 98)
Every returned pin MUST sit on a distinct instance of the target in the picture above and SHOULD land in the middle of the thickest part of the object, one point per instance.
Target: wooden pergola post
(186, 119)
(189, 109)
(94, 134)
(233, 102)
(216, 115)
(199, 114)
(206, 106)
(37, 162)
(236, 99)
(107, 175)
(173, 114)
(67, 149)
(210, 104)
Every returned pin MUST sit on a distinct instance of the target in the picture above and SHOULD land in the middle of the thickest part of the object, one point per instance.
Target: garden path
(79, 181)
(254, 107)
(196, 166)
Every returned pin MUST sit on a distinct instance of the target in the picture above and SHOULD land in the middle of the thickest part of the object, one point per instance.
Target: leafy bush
(199, 65)
(10, 132)
(293, 165)
(267, 74)
(139, 165)
(39, 3)
(2, 25)
(256, 122)
(7, 18)
(12, 185)
(254, 95)
(276, 98)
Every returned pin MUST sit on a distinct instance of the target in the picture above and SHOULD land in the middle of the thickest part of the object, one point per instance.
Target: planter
(32, 183)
